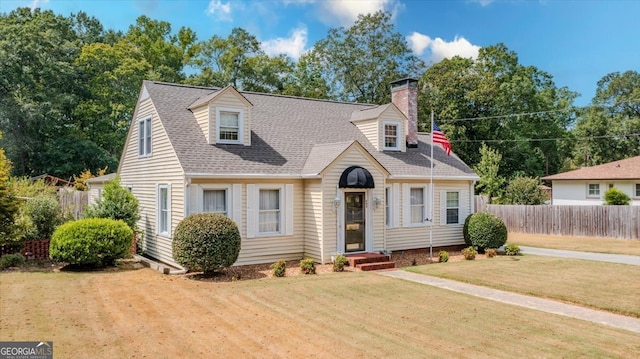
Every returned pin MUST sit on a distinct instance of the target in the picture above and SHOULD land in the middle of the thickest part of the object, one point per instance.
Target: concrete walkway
(544, 305)
(602, 257)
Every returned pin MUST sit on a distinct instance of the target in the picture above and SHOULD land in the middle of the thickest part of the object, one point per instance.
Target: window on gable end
(144, 136)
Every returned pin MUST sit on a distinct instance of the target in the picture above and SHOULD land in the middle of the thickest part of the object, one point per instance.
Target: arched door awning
(356, 177)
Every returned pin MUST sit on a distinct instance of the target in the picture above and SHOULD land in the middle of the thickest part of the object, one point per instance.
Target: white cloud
(222, 11)
(37, 3)
(293, 45)
(482, 3)
(440, 49)
(346, 12)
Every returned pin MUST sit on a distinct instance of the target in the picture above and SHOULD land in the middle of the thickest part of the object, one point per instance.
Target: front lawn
(607, 286)
(586, 244)
(359, 315)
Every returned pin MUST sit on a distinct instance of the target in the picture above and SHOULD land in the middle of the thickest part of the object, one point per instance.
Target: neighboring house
(300, 177)
(95, 186)
(587, 185)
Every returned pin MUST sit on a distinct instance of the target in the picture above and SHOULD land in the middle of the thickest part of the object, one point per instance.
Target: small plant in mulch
(279, 268)
(339, 263)
(308, 266)
(490, 253)
(512, 249)
(443, 256)
(469, 253)
(414, 262)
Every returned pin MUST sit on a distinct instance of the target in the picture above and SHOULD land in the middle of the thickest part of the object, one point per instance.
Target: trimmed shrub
(484, 230)
(469, 253)
(279, 268)
(308, 266)
(117, 203)
(616, 197)
(490, 253)
(206, 242)
(11, 260)
(96, 242)
(443, 256)
(512, 249)
(339, 263)
(45, 213)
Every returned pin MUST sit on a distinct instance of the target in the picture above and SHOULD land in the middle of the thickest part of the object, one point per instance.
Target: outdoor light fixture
(377, 201)
(336, 203)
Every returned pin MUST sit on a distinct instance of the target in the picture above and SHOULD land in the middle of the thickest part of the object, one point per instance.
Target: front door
(354, 221)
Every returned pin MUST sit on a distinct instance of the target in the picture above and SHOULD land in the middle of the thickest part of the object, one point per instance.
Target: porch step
(370, 261)
(376, 266)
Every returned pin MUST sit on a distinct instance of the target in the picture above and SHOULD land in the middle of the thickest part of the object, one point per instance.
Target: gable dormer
(383, 126)
(224, 116)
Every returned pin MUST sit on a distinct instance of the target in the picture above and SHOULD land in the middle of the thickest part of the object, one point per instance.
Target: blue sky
(577, 42)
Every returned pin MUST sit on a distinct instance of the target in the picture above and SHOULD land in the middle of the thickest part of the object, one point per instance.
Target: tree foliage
(523, 190)
(615, 197)
(117, 203)
(490, 183)
(8, 202)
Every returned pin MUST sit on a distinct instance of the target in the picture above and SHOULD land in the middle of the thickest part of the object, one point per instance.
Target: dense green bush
(484, 230)
(206, 242)
(523, 190)
(339, 263)
(443, 256)
(279, 268)
(308, 266)
(44, 213)
(8, 202)
(117, 203)
(512, 249)
(469, 253)
(616, 197)
(94, 242)
(11, 260)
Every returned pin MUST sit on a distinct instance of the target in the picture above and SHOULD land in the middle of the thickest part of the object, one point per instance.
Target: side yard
(362, 315)
(585, 244)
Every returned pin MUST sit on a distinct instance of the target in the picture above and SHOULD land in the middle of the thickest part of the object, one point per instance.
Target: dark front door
(354, 221)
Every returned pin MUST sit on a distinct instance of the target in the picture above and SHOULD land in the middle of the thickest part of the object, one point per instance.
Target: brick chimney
(404, 94)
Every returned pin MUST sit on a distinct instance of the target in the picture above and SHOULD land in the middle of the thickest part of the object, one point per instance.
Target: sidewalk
(602, 257)
(544, 305)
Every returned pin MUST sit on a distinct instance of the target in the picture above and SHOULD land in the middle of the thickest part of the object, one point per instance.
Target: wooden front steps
(370, 261)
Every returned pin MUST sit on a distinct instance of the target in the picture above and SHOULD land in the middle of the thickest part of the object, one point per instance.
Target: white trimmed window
(387, 206)
(269, 214)
(593, 190)
(269, 210)
(637, 191)
(391, 138)
(144, 136)
(417, 205)
(453, 207)
(229, 125)
(164, 209)
(215, 201)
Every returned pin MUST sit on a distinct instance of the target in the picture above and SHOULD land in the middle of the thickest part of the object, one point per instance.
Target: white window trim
(398, 146)
(166, 233)
(145, 136)
(286, 210)
(589, 195)
(446, 207)
(406, 210)
(388, 203)
(240, 113)
(636, 190)
(228, 203)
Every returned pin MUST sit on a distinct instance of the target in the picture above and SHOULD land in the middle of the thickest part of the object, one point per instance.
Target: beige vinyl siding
(145, 174)
(370, 130)
(267, 249)
(402, 238)
(202, 118)
(230, 100)
(353, 156)
(313, 219)
(94, 193)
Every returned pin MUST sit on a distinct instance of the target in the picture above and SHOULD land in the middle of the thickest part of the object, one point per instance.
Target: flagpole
(431, 195)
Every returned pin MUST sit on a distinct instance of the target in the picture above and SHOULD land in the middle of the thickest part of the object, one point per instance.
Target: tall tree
(491, 90)
(490, 183)
(306, 79)
(609, 130)
(361, 61)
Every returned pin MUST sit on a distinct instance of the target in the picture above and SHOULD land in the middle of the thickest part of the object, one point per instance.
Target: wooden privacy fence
(586, 221)
(72, 201)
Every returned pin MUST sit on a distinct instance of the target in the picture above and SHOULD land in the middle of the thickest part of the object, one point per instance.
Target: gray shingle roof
(284, 133)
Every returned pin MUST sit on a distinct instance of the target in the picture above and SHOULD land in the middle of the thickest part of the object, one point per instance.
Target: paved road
(603, 257)
(545, 305)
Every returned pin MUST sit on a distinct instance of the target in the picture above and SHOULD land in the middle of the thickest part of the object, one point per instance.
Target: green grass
(364, 315)
(606, 286)
(586, 244)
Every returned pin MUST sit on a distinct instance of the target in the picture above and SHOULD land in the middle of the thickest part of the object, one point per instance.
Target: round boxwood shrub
(206, 242)
(94, 242)
(484, 230)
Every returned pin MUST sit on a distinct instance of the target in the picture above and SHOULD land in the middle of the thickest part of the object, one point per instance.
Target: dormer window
(391, 136)
(229, 125)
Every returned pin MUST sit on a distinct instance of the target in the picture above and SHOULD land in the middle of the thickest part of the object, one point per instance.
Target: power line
(548, 139)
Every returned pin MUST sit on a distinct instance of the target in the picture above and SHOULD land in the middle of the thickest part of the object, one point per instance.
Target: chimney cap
(410, 81)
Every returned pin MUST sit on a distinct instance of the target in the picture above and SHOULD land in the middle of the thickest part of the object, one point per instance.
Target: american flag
(439, 137)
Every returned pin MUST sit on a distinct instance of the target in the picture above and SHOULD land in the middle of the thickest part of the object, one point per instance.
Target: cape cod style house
(301, 177)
